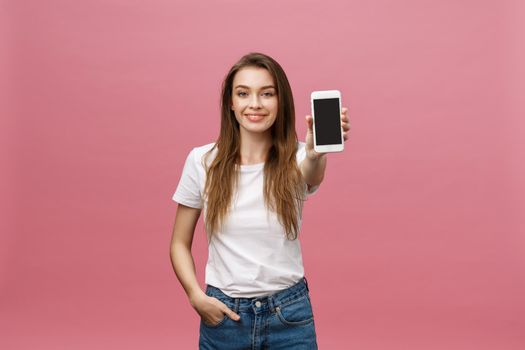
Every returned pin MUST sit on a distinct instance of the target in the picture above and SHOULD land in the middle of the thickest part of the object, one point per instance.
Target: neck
(255, 147)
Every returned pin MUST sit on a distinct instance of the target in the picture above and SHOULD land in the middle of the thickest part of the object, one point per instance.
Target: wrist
(316, 157)
(195, 295)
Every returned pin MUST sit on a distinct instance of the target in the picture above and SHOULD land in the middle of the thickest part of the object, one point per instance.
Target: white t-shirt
(250, 255)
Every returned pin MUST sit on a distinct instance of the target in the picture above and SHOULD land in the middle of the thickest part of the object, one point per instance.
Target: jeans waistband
(264, 303)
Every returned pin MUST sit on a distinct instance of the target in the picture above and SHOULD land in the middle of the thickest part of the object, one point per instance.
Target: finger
(231, 314)
(226, 310)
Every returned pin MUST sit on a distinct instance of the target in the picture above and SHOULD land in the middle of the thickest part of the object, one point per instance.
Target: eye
(269, 94)
(240, 93)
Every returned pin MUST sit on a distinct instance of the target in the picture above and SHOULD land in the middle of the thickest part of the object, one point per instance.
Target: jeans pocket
(296, 312)
(221, 322)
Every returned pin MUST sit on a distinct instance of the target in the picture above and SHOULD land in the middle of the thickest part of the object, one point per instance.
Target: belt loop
(271, 303)
(306, 282)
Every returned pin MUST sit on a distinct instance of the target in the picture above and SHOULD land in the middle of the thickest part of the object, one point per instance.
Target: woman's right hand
(212, 310)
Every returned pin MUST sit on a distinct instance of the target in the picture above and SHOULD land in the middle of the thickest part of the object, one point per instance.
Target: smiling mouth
(255, 117)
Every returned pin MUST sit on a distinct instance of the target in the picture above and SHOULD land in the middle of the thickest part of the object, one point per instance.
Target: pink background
(415, 239)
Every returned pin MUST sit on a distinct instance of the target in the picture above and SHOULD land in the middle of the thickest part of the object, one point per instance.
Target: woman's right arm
(210, 309)
(180, 250)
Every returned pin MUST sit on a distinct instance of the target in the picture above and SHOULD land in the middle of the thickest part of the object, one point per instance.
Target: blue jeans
(283, 320)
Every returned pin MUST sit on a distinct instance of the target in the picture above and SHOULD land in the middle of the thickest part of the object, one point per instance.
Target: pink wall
(414, 240)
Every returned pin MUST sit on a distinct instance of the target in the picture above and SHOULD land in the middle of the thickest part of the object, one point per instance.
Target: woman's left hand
(310, 152)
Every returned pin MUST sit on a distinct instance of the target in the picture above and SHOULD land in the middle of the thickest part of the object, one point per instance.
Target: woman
(252, 183)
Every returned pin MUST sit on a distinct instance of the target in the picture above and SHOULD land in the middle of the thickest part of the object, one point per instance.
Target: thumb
(309, 122)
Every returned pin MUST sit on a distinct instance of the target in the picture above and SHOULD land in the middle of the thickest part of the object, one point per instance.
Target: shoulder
(197, 153)
(201, 150)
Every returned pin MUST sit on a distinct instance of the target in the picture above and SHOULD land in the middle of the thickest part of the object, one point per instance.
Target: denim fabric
(283, 320)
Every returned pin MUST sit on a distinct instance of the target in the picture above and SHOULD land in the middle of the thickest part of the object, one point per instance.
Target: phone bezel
(320, 95)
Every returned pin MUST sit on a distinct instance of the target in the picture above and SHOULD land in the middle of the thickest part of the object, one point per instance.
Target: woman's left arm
(314, 164)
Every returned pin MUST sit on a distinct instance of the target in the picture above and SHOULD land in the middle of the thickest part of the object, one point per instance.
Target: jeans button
(258, 303)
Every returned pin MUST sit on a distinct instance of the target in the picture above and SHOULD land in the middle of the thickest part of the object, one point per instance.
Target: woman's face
(254, 99)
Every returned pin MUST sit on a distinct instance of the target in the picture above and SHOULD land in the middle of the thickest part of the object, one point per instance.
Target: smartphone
(326, 114)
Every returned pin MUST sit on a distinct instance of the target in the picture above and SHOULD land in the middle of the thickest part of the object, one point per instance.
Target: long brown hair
(283, 184)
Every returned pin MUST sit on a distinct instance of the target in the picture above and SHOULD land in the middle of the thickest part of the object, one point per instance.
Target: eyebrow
(262, 88)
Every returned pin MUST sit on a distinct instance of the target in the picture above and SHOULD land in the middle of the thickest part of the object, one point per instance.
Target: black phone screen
(327, 121)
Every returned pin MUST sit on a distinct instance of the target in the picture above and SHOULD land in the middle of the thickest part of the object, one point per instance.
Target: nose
(255, 103)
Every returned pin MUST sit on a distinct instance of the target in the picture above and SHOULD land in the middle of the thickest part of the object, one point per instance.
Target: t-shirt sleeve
(187, 192)
(301, 155)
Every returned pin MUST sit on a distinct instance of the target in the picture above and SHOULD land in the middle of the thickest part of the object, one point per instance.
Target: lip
(255, 117)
